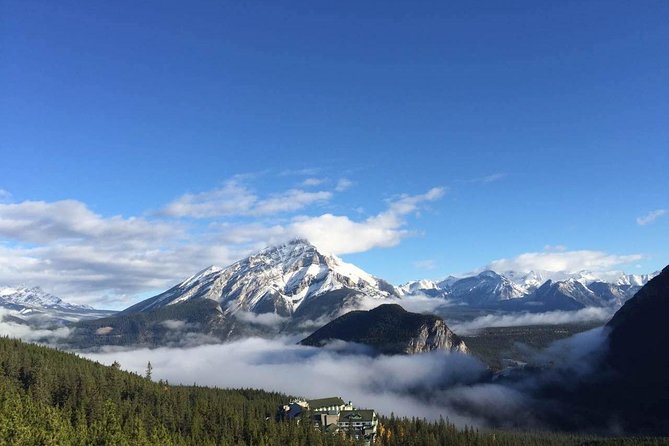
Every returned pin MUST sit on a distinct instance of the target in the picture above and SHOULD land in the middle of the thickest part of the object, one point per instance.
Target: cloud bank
(386, 383)
(430, 385)
(563, 261)
(518, 320)
(105, 261)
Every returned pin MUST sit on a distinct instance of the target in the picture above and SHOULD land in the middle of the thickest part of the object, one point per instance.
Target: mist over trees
(48, 397)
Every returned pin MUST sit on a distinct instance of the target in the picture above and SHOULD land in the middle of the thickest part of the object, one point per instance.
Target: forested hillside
(49, 397)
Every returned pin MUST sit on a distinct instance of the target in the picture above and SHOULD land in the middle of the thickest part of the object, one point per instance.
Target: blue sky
(539, 123)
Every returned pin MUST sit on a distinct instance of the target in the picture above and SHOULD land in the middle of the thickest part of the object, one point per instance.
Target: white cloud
(490, 178)
(87, 258)
(564, 261)
(425, 264)
(236, 199)
(307, 172)
(288, 201)
(341, 235)
(28, 333)
(385, 383)
(231, 199)
(266, 319)
(651, 217)
(5, 195)
(313, 182)
(343, 184)
(547, 318)
(42, 222)
(84, 257)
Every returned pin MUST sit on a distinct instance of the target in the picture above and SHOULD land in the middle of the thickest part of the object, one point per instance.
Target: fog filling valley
(431, 385)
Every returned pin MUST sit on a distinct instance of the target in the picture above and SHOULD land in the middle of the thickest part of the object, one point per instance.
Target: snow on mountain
(635, 279)
(529, 281)
(447, 282)
(416, 286)
(486, 287)
(36, 298)
(568, 294)
(35, 306)
(284, 279)
(549, 289)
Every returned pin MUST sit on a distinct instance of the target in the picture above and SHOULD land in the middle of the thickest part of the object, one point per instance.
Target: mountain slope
(286, 280)
(389, 329)
(281, 288)
(36, 305)
(485, 288)
(639, 340)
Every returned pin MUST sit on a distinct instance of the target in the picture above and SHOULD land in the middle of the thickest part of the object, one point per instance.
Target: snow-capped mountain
(485, 288)
(417, 285)
(529, 281)
(638, 280)
(536, 290)
(293, 279)
(36, 298)
(36, 303)
(569, 294)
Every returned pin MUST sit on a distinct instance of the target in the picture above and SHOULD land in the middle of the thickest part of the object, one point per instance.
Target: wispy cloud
(236, 199)
(291, 200)
(305, 172)
(85, 257)
(425, 264)
(312, 182)
(517, 320)
(343, 184)
(5, 195)
(490, 178)
(651, 217)
(341, 235)
(232, 198)
(563, 261)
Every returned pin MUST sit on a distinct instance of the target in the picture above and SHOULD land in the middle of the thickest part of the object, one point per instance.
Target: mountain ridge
(532, 291)
(389, 329)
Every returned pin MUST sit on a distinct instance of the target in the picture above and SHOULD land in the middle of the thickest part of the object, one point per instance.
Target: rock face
(390, 329)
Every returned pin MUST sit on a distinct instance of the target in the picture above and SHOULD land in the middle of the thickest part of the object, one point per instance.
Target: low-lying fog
(433, 385)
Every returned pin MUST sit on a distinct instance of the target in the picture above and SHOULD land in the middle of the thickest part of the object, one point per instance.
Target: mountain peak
(278, 279)
(489, 273)
(36, 297)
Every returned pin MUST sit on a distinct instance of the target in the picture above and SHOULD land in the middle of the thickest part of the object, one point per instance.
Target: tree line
(50, 397)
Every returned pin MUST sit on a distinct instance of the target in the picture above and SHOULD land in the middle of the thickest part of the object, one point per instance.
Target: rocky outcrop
(389, 329)
(435, 336)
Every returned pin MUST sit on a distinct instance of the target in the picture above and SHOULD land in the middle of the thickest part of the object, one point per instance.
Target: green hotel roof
(325, 402)
(356, 415)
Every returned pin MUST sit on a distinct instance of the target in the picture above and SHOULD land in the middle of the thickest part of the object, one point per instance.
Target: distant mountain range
(34, 305)
(293, 287)
(533, 291)
(629, 386)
